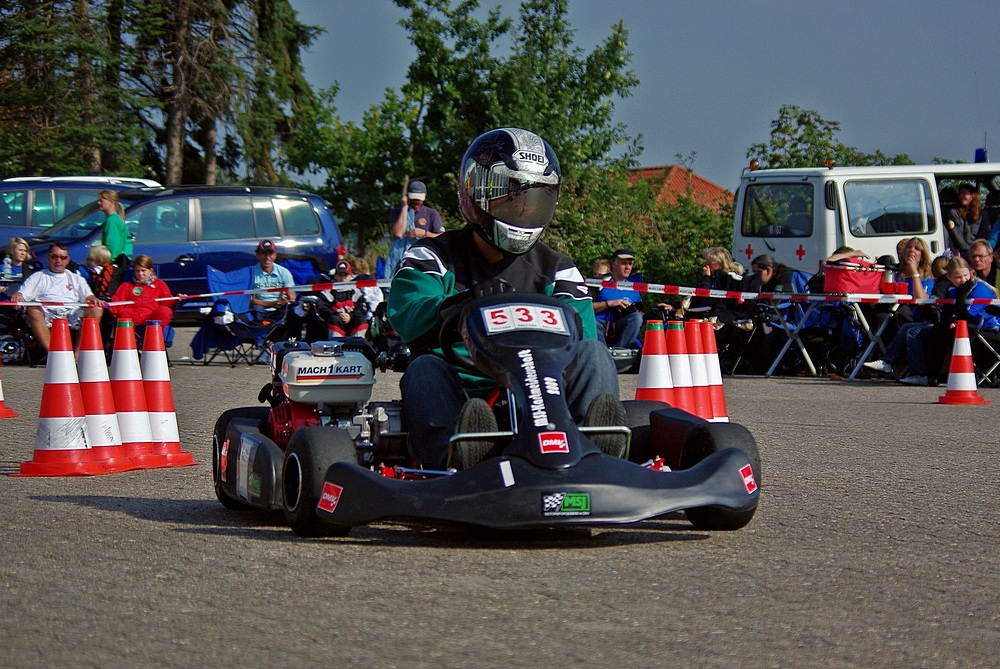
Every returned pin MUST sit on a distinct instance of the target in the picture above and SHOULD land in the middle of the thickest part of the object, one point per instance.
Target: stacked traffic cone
(720, 414)
(98, 402)
(160, 398)
(962, 372)
(6, 411)
(62, 444)
(699, 370)
(680, 367)
(130, 400)
(654, 381)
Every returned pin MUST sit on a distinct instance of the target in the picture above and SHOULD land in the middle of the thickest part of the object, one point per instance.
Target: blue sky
(901, 76)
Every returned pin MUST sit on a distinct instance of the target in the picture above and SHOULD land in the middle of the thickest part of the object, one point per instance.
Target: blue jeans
(916, 350)
(897, 349)
(622, 332)
(433, 396)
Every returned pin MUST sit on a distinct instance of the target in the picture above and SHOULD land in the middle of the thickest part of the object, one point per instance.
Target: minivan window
(160, 222)
(298, 217)
(778, 210)
(66, 200)
(226, 218)
(12, 204)
(267, 222)
(888, 207)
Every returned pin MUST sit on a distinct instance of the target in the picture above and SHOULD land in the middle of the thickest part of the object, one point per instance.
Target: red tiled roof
(675, 181)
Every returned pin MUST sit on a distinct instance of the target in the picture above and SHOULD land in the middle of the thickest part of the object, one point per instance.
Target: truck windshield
(888, 207)
(778, 210)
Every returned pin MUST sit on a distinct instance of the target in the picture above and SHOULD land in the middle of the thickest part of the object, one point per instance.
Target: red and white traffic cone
(130, 400)
(654, 382)
(6, 411)
(720, 414)
(680, 367)
(98, 402)
(962, 372)
(160, 398)
(62, 444)
(699, 370)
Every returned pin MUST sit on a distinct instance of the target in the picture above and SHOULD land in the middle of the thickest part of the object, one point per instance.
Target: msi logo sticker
(566, 504)
(553, 442)
(330, 498)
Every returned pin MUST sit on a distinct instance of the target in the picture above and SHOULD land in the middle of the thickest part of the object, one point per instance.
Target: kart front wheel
(218, 439)
(310, 453)
(637, 419)
(704, 442)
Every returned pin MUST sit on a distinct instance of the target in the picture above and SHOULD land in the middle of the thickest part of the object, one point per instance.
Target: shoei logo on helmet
(531, 157)
(330, 498)
(553, 442)
(748, 479)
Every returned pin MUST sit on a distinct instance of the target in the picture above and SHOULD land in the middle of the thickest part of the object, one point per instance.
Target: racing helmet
(508, 186)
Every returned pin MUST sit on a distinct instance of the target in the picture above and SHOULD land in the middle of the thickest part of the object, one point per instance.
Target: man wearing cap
(269, 274)
(411, 221)
(619, 320)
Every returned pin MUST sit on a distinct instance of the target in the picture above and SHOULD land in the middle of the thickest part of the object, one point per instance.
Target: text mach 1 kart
(332, 460)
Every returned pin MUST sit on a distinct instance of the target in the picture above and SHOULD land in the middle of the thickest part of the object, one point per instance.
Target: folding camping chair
(231, 328)
(789, 318)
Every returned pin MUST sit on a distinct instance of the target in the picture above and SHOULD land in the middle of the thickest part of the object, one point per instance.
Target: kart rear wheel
(218, 438)
(706, 442)
(310, 453)
(637, 419)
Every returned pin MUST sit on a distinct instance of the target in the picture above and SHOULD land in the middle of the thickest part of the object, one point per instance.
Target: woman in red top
(142, 290)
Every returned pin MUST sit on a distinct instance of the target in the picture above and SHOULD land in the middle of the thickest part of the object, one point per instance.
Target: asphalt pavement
(873, 547)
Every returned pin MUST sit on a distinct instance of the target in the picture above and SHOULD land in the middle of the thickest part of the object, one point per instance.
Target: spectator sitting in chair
(22, 263)
(56, 284)
(770, 276)
(349, 311)
(618, 311)
(267, 275)
(143, 292)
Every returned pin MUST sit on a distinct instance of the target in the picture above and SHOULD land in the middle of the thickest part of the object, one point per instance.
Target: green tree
(461, 84)
(803, 138)
(59, 111)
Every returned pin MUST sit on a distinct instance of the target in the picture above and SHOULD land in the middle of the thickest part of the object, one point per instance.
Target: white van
(802, 215)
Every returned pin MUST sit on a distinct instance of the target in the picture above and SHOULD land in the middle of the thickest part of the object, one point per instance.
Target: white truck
(802, 215)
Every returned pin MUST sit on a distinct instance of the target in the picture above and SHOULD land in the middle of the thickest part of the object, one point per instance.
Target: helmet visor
(519, 198)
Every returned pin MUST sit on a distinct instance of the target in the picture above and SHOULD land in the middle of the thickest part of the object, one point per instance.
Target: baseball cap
(343, 267)
(624, 254)
(416, 191)
(267, 246)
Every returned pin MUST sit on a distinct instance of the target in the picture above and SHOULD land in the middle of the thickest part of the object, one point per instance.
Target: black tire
(699, 446)
(637, 419)
(310, 453)
(218, 437)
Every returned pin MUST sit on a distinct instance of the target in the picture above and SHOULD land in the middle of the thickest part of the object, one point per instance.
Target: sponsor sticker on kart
(748, 479)
(330, 497)
(553, 442)
(566, 504)
(510, 317)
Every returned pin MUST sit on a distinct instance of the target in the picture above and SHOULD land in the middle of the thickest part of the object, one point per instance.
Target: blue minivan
(30, 205)
(184, 229)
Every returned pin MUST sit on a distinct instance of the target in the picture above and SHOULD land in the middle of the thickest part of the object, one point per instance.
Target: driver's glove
(491, 287)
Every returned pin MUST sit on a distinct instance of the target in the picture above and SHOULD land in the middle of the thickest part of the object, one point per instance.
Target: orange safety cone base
(75, 462)
(962, 397)
(7, 412)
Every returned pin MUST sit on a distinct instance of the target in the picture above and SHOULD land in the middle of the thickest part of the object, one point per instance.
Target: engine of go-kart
(328, 383)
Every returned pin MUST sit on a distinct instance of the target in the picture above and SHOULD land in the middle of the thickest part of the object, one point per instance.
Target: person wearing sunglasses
(56, 284)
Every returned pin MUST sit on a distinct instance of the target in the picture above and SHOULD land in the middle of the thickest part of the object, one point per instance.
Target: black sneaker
(476, 416)
(607, 411)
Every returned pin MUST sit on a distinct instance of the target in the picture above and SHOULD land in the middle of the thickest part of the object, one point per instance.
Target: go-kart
(331, 460)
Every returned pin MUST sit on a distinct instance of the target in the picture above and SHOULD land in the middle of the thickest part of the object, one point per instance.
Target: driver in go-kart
(508, 185)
